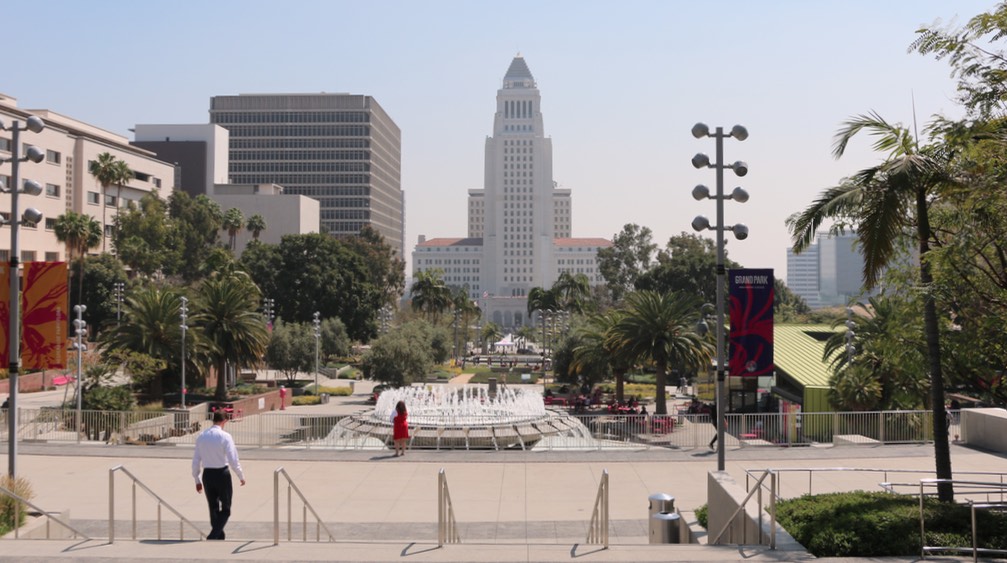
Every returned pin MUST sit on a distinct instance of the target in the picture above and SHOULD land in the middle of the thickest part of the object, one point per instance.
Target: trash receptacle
(660, 502)
(324, 398)
(664, 527)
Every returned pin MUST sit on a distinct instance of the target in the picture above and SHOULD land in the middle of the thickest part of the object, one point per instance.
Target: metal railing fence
(447, 525)
(564, 430)
(16, 514)
(305, 508)
(597, 529)
(182, 520)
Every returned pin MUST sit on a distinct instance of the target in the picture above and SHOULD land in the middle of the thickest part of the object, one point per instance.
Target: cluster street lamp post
(119, 289)
(183, 312)
(850, 348)
(267, 308)
(318, 336)
(740, 231)
(79, 327)
(32, 215)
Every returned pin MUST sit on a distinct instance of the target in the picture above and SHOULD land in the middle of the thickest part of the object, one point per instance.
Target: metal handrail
(974, 549)
(597, 530)
(447, 526)
(772, 509)
(305, 507)
(812, 470)
(182, 520)
(18, 500)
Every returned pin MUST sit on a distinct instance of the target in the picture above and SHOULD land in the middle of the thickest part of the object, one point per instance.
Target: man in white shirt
(215, 452)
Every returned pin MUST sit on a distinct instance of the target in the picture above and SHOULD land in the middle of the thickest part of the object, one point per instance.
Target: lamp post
(267, 308)
(850, 348)
(79, 327)
(318, 336)
(454, 342)
(119, 289)
(740, 231)
(33, 154)
(183, 312)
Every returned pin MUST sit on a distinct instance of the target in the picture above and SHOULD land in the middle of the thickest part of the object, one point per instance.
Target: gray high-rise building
(340, 149)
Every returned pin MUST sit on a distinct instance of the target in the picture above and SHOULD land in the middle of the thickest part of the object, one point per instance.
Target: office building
(340, 149)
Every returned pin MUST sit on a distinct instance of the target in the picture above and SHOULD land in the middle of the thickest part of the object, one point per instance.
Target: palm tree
(600, 351)
(886, 202)
(109, 170)
(659, 327)
(123, 174)
(430, 295)
(491, 331)
(234, 221)
(227, 313)
(80, 232)
(572, 291)
(150, 326)
(256, 224)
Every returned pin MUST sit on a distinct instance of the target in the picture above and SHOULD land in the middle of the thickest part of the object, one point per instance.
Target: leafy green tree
(234, 221)
(599, 351)
(572, 291)
(108, 171)
(687, 264)
(387, 272)
(430, 295)
(885, 202)
(197, 223)
(788, 307)
(80, 233)
(629, 256)
(660, 327)
(291, 349)
(100, 274)
(226, 313)
(334, 342)
(146, 240)
(256, 224)
(405, 354)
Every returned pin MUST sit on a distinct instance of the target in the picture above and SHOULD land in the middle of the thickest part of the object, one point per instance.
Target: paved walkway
(511, 506)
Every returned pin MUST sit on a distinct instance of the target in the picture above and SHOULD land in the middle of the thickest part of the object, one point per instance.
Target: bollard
(665, 527)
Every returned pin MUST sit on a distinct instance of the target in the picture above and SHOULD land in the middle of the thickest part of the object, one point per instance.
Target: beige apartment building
(70, 146)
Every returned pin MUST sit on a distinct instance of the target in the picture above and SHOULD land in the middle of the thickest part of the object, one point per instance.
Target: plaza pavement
(510, 506)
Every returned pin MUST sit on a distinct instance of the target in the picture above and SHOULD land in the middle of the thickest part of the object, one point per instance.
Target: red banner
(44, 301)
(4, 315)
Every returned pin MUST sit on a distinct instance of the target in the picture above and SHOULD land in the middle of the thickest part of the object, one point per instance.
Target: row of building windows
(522, 143)
(518, 128)
(29, 256)
(239, 144)
(295, 155)
(299, 131)
(288, 179)
(223, 118)
(300, 167)
(340, 214)
(321, 191)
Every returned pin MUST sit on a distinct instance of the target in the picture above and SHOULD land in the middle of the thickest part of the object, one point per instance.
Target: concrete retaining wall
(985, 428)
(724, 496)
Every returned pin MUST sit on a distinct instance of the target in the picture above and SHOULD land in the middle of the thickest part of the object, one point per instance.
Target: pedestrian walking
(216, 455)
(712, 410)
(400, 428)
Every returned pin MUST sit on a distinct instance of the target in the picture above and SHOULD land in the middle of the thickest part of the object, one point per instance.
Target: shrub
(876, 524)
(306, 400)
(336, 391)
(20, 487)
(703, 516)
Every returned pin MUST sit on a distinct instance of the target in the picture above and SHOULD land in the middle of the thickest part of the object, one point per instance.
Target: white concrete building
(520, 222)
(70, 147)
(284, 214)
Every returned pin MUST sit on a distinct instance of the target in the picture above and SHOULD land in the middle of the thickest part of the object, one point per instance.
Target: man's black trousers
(218, 489)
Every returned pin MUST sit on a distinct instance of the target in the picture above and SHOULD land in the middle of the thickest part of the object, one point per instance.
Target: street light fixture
(740, 231)
(183, 312)
(267, 308)
(33, 154)
(120, 288)
(80, 328)
(850, 348)
(318, 336)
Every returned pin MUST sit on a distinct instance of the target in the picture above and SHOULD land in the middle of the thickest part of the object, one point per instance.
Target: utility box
(665, 527)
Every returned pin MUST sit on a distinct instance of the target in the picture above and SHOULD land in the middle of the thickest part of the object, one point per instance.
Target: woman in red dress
(400, 428)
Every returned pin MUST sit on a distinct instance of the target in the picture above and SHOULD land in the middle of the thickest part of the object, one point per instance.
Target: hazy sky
(622, 84)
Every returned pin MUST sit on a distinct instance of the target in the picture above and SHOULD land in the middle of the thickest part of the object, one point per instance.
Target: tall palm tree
(599, 350)
(886, 202)
(430, 295)
(123, 174)
(80, 232)
(227, 314)
(109, 171)
(234, 221)
(660, 327)
(256, 224)
(573, 291)
(490, 332)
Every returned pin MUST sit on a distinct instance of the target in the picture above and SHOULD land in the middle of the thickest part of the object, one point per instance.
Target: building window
(52, 190)
(110, 200)
(5, 255)
(50, 224)
(5, 145)
(53, 157)
(108, 230)
(93, 198)
(52, 256)
(27, 255)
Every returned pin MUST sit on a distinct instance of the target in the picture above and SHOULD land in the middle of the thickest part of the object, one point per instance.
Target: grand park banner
(751, 334)
(44, 303)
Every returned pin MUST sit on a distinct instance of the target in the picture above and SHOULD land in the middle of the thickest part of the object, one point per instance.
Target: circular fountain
(465, 417)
